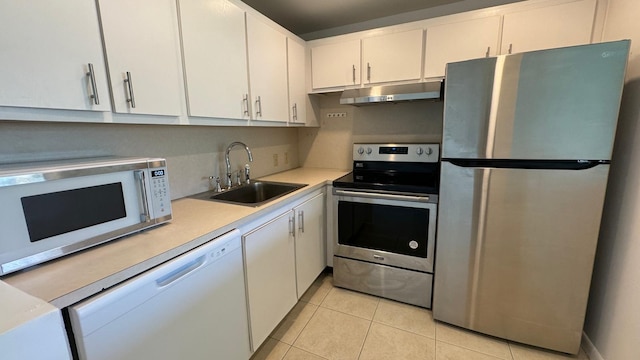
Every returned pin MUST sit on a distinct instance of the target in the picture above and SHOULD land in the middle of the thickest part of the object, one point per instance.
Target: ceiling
(312, 18)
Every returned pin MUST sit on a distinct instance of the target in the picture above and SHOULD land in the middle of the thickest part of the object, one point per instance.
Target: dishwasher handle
(180, 272)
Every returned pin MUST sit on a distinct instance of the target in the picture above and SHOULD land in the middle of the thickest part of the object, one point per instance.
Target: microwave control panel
(161, 198)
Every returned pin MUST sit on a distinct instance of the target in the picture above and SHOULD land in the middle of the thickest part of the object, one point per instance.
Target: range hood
(393, 93)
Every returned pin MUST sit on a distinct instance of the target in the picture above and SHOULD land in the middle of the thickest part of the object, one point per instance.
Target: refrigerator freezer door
(553, 104)
(515, 251)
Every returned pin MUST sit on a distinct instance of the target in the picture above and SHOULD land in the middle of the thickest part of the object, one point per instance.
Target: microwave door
(45, 219)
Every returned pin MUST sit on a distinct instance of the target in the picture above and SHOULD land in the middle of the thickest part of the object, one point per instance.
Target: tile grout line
(364, 341)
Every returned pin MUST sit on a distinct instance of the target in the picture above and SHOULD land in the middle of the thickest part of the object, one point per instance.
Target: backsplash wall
(193, 153)
(330, 145)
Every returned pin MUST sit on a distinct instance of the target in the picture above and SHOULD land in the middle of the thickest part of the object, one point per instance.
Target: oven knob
(429, 151)
(360, 150)
(419, 151)
(369, 151)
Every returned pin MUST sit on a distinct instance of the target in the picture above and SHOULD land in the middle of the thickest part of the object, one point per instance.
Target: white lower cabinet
(310, 244)
(270, 275)
(284, 253)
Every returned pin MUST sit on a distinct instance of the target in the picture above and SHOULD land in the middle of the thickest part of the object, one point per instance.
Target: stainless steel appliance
(50, 209)
(527, 140)
(386, 216)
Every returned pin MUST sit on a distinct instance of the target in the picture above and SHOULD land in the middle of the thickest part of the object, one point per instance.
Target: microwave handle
(142, 182)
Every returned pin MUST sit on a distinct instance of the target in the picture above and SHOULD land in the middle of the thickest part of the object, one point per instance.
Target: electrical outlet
(275, 160)
(336, 114)
(286, 157)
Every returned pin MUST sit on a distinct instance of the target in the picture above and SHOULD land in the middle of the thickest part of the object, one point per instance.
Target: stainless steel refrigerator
(527, 142)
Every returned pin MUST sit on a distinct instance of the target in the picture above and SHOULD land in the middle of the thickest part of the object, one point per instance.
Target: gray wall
(330, 145)
(613, 318)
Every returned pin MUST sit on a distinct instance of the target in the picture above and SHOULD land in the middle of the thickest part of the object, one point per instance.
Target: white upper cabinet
(143, 54)
(215, 58)
(335, 65)
(549, 27)
(297, 86)
(392, 57)
(48, 49)
(267, 49)
(460, 41)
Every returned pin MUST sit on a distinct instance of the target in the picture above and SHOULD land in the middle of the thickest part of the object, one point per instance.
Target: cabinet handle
(94, 88)
(129, 83)
(258, 107)
(301, 221)
(292, 226)
(488, 51)
(510, 48)
(368, 72)
(245, 104)
(295, 112)
(353, 67)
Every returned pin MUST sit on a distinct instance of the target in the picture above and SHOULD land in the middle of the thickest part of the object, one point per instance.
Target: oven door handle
(415, 198)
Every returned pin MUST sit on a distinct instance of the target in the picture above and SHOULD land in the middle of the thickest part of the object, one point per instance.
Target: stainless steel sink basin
(254, 194)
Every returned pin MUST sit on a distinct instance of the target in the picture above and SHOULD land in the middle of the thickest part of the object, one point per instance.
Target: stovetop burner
(398, 168)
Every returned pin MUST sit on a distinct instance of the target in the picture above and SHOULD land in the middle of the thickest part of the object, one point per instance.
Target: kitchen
(197, 153)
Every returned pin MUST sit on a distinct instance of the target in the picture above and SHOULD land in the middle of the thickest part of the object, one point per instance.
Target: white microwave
(51, 209)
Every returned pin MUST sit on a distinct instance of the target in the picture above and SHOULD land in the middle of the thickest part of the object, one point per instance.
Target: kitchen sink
(254, 194)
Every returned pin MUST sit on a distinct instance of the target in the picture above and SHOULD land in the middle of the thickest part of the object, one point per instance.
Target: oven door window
(396, 229)
(52, 214)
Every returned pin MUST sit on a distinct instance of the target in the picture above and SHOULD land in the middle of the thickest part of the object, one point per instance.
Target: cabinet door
(335, 65)
(271, 278)
(310, 242)
(549, 27)
(393, 57)
(267, 50)
(297, 85)
(460, 41)
(141, 38)
(47, 47)
(215, 58)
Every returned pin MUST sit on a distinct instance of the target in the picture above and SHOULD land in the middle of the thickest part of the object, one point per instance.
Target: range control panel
(160, 196)
(397, 152)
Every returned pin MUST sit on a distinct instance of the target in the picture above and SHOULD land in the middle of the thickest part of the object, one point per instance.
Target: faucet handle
(238, 182)
(217, 180)
(247, 179)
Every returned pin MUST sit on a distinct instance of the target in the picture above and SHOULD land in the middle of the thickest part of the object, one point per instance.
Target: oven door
(389, 229)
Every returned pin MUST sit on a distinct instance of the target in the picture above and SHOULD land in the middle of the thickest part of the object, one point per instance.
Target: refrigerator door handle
(527, 164)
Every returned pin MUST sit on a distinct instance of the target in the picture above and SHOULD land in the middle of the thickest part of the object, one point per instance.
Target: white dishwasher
(192, 307)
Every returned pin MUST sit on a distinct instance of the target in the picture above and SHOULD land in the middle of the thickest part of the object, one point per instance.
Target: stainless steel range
(386, 216)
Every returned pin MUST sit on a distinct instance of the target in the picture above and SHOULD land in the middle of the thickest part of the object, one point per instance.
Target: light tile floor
(331, 323)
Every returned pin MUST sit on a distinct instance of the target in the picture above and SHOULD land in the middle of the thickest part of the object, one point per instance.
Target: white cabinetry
(460, 41)
(548, 27)
(47, 47)
(335, 65)
(392, 57)
(267, 49)
(284, 253)
(215, 58)
(297, 86)
(270, 275)
(310, 242)
(143, 54)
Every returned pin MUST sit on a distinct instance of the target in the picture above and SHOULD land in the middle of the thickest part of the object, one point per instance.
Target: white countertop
(67, 280)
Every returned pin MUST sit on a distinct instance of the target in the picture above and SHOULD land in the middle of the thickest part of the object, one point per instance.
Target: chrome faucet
(226, 158)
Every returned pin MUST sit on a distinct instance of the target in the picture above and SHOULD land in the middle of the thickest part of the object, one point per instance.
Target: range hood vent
(393, 93)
